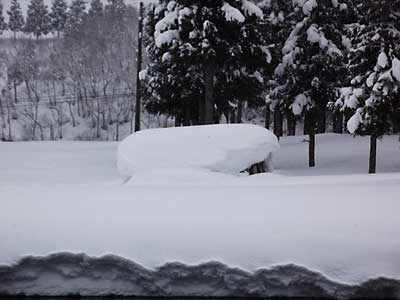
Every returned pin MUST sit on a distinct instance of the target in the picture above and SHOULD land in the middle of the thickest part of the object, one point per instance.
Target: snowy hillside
(68, 197)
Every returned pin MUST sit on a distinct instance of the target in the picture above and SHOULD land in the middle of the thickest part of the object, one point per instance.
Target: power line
(74, 96)
(69, 100)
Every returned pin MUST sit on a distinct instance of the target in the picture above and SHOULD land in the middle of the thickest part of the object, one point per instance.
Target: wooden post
(139, 68)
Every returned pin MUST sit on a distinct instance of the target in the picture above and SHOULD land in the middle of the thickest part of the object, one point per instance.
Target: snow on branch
(232, 14)
(250, 9)
(314, 35)
(166, 38)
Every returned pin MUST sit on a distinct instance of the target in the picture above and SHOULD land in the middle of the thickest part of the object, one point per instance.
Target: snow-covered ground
(68, 196)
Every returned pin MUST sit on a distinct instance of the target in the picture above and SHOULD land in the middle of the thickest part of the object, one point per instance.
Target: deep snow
(67, 196)
(224, 148)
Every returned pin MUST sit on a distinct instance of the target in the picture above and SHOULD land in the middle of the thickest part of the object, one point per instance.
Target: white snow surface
(227, 148)
(335, 219)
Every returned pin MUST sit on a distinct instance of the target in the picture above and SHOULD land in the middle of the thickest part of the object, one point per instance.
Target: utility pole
(139, 68)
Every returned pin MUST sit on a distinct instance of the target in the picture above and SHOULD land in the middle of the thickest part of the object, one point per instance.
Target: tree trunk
(227, 116)
(278, 123)
(396, 122)
(347, 117)
(117, 131)
(267, 116)
(239, 112)
(291, 123)
(372, 155)
(337, 122)
(186, 113)
(3, 137)
(311, 125)
(71, 114)
(306, 123)
(52, 138)
(232, 116)
(15, 92)
(311, 150)
(209, 72)
(178, 120)
(9, 121)
(201, 119)
(322, 119)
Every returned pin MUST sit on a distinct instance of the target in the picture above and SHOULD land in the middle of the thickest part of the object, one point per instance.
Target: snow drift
(228, 148)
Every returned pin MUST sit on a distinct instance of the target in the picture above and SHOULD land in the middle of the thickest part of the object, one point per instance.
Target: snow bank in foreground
(345, 229)
(225, 148)
(78, 274)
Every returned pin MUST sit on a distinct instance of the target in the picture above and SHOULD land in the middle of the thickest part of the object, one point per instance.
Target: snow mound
(228, 148)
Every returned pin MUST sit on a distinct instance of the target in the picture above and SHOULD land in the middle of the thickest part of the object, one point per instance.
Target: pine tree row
(209, 58)
(40, 20)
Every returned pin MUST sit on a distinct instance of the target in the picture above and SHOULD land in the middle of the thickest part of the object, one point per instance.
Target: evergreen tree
(96, 21)
(313, 63)
(209, 53)
(116, 7)
(96, 8)
(76, 16)
(16, 20)
(281, 18)
(38, 19)
(58, 16)
(374, 94)
(115, 13)
(3, 24)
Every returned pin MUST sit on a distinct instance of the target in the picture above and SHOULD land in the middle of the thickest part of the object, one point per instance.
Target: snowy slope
(343, 225)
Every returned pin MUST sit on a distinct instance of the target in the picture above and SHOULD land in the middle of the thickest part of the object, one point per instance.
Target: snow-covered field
(68, 197)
